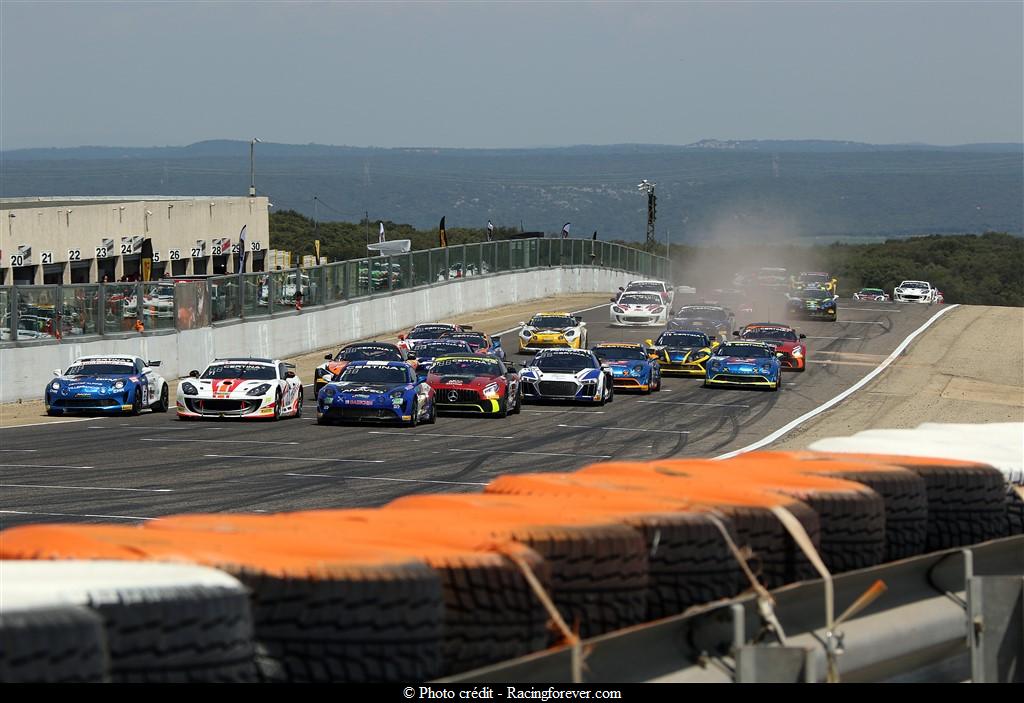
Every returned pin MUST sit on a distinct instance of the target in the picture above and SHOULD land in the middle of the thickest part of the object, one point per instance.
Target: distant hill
(710, 191)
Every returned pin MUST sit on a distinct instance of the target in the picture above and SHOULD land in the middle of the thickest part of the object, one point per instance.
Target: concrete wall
(82, 225)
(24, 371)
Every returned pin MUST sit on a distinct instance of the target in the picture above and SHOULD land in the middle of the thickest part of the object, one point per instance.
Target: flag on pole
(241, 250)
(147, 259)
(565, 230)
(380, 237)
(316, 246)
(595, 236)
(490, 231)
(442, 236)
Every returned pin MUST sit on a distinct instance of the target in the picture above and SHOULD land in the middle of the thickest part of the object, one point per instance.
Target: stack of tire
(437, 584)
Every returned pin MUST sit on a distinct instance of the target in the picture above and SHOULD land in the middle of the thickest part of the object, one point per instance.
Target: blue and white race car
(567, 374)
(108, 384)
(377, 390)
(744, 364)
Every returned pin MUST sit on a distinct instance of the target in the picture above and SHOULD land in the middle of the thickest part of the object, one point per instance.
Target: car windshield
(551, 322)
(872, 291)
(258, 372)
(814, 278)
(619, 353)
(367, 353)
(704, 313)
(565, 363)
(441, 347)
(639, 299)
(769, 333)
(682, 339)
(744, 350)
(817, 294)
(646, 285)
(913, 284)
(101, 368)
(164, 291)
(466, 368)
(375, 374)
(429, 332)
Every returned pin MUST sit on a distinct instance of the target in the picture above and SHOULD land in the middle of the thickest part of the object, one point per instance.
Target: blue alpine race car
(424, 352)
(376, 390)
(632, 366)
(744, 364)
(107, 384)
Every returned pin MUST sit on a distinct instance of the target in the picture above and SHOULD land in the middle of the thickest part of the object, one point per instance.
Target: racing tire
(164, 403)
(136, 403)
(503, 410)
(432, 417)
(611, 392)
(778, 384)
(657, 386)
(604, 397)
(64, 644)
(277, 406)
(298, 408)
(52, 413)
(414, 415)
(518, 408)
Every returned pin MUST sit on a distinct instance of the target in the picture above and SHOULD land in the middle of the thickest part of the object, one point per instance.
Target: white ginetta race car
(666, 291)
(249, 388)
(914, 292)
(638, 309)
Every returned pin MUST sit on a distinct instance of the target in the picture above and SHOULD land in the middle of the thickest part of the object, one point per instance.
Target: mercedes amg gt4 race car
(745, 364)
(477, 384)
(108, 384)
(241, 387)
(633, 366)
(552, 330)
(567, 374)
(385, 391)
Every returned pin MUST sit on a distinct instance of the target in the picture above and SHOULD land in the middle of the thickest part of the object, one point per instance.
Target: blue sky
(508, 74)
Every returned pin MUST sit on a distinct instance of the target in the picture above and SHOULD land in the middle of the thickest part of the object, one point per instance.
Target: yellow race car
(815, 279)
(552, 330)
(684, 352)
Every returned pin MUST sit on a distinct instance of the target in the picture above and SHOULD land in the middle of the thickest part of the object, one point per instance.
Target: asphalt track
(129, 469)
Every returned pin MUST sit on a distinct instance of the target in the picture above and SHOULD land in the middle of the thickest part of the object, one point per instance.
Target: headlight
(491, 390)
(118, 385)
(55, 386)
(657, 311)
(188, 389)
(321, 372)
(797, 352)
(698, 358)
(260, 389)
(329, 391)
(398, 394)
(766, 368)
(617, 310)
(525, 333)
(571, 332)
(638, 369)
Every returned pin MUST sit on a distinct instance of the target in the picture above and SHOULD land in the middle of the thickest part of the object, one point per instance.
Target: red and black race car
(785, 339)
(476, 384)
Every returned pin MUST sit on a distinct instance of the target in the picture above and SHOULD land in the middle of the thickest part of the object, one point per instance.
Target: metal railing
(54, 313)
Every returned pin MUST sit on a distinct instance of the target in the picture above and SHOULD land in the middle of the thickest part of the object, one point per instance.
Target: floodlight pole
(647, 187)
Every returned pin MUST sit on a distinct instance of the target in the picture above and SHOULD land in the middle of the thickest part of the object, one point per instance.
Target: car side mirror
(328, 357)
(510, 365)
(606, 368)
(152, 364)
(57, 372)
(611, 299)
(735, 333)
(411, 356)
(621, 288)
(193, 374)
(496, 341)
(401, 336)
(803, 336)
(835, 297)
(522, 324)
(649, 342)
(289, 374)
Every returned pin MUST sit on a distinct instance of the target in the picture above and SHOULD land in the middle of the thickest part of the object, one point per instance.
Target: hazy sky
(508, 74)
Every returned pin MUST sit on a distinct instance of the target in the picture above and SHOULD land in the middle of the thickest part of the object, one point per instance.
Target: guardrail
(55, 313)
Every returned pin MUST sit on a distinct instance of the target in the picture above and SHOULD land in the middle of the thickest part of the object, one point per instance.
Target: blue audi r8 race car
(744, 364)
(107, 384)
(632, 366)
(376, 390)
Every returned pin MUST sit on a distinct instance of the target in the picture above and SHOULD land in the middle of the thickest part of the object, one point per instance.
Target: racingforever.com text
(510, 693)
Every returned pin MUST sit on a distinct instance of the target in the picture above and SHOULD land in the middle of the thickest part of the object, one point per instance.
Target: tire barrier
(436, 585)
(321, 612)
(159, 622)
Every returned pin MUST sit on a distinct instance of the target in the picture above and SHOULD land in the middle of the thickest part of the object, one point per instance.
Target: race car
(683, 352)
(552, 330)
(745, 364)
(245, 387)
(638, 309)
(713, 320)
(914, 292)
(107, 383)
(377, 391)
(939, 297)
(429, 330)
(479, 342)
(876, 294)
(423, 353)
(666, 292)
(814, 279)
(812, 302)
(361, 351)
(477, 384)
(159, 302)
(785, 340)
(567, 374)
(768, 277)
(632, 366)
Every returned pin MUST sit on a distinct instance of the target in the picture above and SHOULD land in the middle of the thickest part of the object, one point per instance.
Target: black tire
(323, 420)
(277, 405)
(415, 415)
(357, 626)
(503, 406)
(432, 418)
(604, 394)
(164, 403)
(52, 413)
(302, 399)
(136, 402)
(519, 401)
(966, 505)
(53, 645)
(181, 634)
(657, 387)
